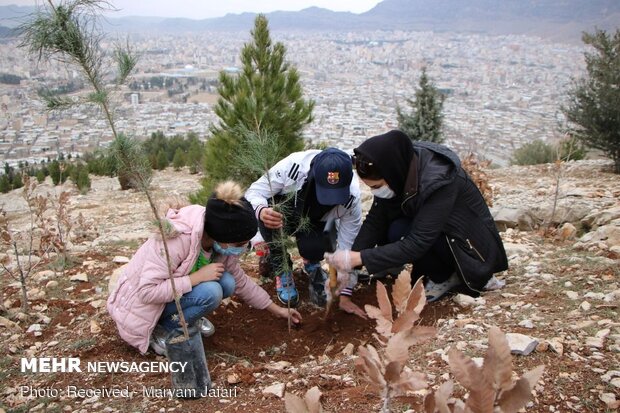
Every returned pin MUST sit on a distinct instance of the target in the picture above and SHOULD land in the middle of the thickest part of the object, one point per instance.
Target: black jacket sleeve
(428, 224)
(374, 229)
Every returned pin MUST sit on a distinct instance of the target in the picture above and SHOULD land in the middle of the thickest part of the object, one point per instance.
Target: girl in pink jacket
(204, 244)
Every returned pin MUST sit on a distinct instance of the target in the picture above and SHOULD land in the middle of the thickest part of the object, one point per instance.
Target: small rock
(610, 400)
(34, 328)
(585, 306)
(615, 382)
(278, 366)
(542, 347)
(233, 378)
(277, 389)
(97, 303)
(51, 284)
(526, 324)
(572, 295)
(348, 349)
(120, 259)
(94, 327)
(594, 296)
(521, 344)
(79, 277)
(466, 300)
(8, 324)
(567, 231)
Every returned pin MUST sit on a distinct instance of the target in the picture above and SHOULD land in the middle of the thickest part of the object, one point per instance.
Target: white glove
(341, 259)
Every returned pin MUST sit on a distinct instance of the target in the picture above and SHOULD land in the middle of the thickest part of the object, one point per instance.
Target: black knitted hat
(229, 219)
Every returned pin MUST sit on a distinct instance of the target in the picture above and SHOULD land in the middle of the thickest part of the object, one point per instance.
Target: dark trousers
(438, 262)
(310, 242)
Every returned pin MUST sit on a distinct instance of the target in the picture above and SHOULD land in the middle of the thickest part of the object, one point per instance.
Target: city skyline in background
(200, 9)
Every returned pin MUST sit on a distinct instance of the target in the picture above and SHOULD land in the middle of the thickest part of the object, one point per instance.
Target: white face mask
(384, 192)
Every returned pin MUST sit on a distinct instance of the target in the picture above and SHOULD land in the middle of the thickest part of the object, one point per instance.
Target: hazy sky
(200, 9)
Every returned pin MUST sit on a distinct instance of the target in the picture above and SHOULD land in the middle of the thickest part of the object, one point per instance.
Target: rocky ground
(560, 300)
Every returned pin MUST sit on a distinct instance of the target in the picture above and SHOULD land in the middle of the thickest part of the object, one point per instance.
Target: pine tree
(83, 180)
(5, 183)
(266, 96)
(179, 159)
(425, 121)
(40, 176)
(162, 160)
(594, 107)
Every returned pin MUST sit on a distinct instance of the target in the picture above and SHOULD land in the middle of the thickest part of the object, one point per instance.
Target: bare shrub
(491, 387)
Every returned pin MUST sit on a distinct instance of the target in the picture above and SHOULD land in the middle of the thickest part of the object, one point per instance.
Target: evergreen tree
(594, 107)
(83, 180)
(17, 181)
(5, 183)
(40, 176)
(266, 96)
(162, 160)
(179, 159)
(425, 121)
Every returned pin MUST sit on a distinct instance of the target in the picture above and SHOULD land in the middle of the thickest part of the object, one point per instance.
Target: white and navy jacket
(289, 175)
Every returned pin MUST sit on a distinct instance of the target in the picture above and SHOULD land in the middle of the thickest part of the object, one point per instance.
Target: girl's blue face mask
(229, 250)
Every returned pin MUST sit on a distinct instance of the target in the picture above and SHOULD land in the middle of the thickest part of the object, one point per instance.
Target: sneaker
(206, 327)
(434, 291)
(157, 341)
(316, 286)
(286, 291)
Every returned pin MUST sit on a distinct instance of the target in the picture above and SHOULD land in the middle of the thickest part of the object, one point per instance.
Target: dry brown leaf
(442, 395)
(429, 403)
(517, 397)
(294, 404)
(464, 369)
(384, 326)
(398, 348)
(497, 366)
(398, 345)
(482, 399)
(417, 299)
(409, 381)
(404, 321)
(384, 301)
(401, 290)
(392, 372)
(371, 365)
(313, 400)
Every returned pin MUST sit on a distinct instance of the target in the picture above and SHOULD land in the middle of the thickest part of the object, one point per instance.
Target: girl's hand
(211, 272)
(272, 219)
(282, 312)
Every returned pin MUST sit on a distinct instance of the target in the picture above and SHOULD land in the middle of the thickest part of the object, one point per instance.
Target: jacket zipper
(471, 247)
(451, 241)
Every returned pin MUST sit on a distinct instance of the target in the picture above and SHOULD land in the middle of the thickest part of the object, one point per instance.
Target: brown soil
(246, 342)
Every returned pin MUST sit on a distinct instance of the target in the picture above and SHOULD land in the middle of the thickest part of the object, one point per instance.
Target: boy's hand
(272, 219)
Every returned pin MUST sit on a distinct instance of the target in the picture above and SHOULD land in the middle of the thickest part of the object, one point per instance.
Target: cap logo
(333, 178)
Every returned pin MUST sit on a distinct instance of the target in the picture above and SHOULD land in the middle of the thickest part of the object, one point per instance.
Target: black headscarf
(391, 154)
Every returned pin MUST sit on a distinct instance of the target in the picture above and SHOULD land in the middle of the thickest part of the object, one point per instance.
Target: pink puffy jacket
(144, 288)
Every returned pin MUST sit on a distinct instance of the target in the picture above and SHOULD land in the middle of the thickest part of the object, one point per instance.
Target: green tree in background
(179, 159)
(266, 96)
(594, 106)
(424, 123)
(162, 160)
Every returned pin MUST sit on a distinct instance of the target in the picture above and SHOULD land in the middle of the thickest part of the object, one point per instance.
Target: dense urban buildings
(502, 91)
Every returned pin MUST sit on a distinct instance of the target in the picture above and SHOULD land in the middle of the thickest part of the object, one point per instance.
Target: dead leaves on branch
(386, 371)
(408, 303)
(311, 403)
(491, 388)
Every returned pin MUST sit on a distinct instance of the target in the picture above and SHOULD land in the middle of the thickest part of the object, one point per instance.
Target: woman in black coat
(426, 211)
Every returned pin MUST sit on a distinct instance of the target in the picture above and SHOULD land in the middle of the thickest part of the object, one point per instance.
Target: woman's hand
(344, 260)
(272, 219)
(210, 272)
(282, 312)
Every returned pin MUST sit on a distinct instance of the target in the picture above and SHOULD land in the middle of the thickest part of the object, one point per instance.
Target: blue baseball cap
(333, 171)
